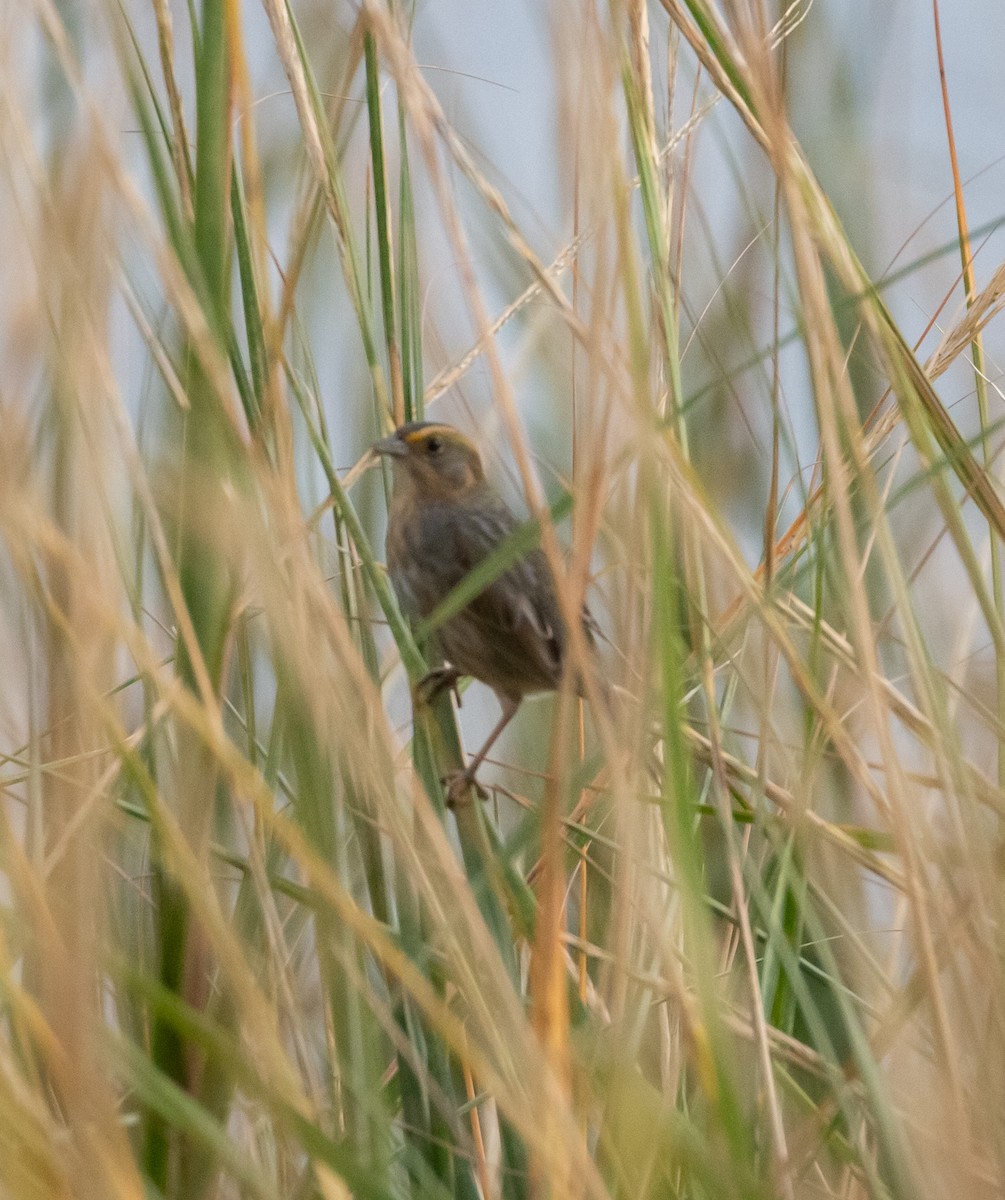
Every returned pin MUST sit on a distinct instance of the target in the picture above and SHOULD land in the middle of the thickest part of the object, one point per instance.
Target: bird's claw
(460, 785)
(435, 683)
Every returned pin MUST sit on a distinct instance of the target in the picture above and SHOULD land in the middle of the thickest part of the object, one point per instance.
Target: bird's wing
(521, 604)
(516, 617)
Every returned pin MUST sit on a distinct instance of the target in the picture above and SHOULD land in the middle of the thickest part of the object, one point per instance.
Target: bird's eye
(434, 445)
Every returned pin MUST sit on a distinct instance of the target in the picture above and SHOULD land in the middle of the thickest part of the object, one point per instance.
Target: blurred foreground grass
(739, 938)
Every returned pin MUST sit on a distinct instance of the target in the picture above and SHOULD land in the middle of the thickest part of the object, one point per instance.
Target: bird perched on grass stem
(444, 519)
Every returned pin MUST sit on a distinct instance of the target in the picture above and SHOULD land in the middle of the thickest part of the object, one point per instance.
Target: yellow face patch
(418, 436)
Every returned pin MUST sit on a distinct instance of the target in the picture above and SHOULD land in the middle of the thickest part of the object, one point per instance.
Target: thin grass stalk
(385, 251)
(980, 369)
(408, 283)
(254, 332)
(207, 590)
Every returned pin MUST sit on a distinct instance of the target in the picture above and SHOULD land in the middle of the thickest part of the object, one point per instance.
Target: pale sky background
(864, 98)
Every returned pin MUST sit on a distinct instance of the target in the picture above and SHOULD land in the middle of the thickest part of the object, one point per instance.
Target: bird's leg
(459, 782)
(435, 683)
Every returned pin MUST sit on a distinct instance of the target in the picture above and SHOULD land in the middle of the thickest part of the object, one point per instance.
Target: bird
(444, 518)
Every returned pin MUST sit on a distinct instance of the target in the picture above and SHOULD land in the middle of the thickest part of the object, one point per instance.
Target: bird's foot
(460, 785)
(436, 683)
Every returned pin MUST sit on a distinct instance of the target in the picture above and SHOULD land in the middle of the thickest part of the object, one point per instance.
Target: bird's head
(433, 460)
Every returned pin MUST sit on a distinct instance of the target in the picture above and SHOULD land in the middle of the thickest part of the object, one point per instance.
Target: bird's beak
(392, 446)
